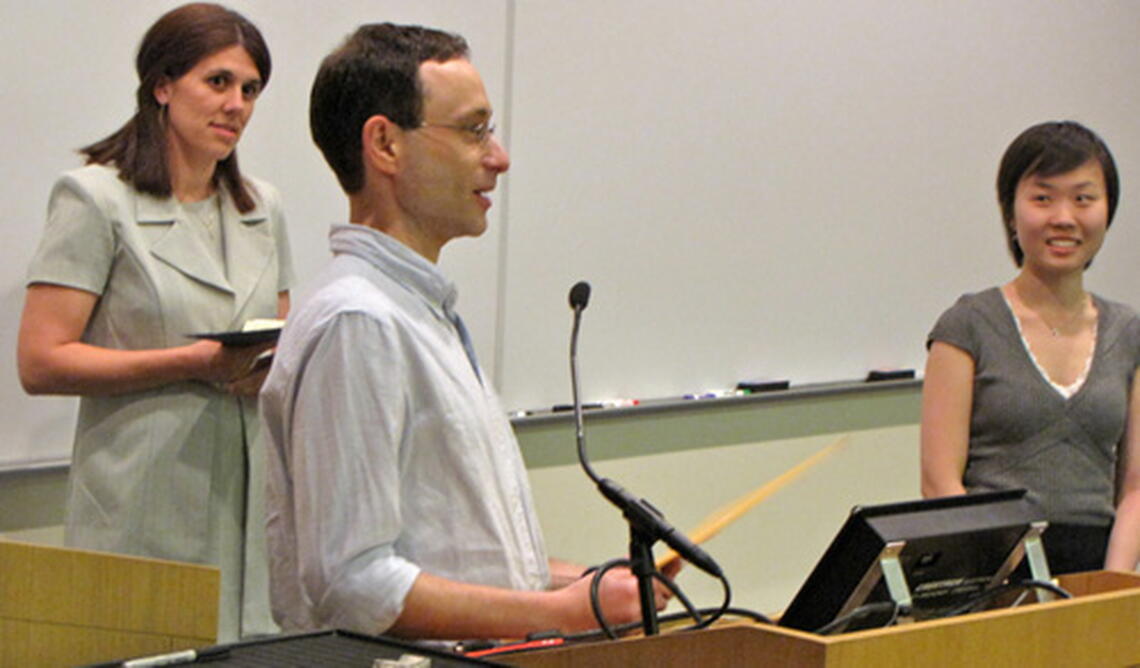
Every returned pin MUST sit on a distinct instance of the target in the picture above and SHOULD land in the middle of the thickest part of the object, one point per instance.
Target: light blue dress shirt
(388, 453)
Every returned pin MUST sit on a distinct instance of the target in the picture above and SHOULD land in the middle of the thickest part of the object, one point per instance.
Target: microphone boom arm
(647, 525)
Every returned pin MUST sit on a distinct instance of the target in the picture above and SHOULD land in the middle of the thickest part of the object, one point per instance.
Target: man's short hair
(1049, 149)
(375, 72)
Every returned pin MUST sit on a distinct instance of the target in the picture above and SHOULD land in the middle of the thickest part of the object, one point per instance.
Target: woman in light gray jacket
(157, 237)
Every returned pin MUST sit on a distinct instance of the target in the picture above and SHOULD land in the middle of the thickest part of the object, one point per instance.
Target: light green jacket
(173, 472)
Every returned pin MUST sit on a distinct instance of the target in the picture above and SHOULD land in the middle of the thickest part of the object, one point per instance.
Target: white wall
(754, 187)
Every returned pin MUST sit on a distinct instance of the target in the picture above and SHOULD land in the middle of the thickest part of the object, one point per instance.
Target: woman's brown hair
(172, 46)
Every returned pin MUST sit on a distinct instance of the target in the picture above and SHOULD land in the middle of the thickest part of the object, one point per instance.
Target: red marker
(520, 646)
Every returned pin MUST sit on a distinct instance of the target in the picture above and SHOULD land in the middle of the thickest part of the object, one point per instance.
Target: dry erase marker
(620, 403)
(875, 375)
(716, 394)
(762, 385)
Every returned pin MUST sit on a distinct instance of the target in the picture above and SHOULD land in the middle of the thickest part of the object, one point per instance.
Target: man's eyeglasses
(480, 133)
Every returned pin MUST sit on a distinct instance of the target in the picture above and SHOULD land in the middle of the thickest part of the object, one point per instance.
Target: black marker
(876, 375)
(561, 408)
(764, 385)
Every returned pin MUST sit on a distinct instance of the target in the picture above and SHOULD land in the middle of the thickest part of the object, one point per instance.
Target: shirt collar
(403, 264)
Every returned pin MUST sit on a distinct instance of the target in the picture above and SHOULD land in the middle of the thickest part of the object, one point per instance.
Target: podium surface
(1099, 627)
(63, 607)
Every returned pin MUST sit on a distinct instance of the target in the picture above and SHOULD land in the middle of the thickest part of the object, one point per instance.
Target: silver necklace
(1055, 330)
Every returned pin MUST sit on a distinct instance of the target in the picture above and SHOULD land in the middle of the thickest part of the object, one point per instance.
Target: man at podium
(398, 499)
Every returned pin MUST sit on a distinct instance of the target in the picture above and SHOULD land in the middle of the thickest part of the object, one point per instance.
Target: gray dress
(174, 472)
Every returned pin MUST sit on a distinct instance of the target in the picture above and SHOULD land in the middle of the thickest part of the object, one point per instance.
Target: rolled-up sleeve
(348, 418)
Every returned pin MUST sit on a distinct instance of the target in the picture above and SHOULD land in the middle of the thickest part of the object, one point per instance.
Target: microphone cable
(701, 618)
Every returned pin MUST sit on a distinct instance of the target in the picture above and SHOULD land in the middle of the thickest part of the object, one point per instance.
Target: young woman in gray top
(1032, 384)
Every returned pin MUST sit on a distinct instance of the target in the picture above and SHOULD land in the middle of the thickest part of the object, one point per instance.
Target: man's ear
(380, 143)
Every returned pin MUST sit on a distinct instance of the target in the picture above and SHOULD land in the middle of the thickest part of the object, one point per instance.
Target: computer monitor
(940, 552)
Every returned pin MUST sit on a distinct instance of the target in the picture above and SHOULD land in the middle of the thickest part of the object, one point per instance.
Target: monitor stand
(1029, 547)
(888, 567)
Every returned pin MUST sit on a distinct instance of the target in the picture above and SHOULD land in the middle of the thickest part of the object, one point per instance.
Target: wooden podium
(1099, 627)
(63, 607)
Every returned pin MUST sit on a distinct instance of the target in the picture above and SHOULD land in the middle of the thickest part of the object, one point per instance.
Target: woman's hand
(220, 364)
(250, 384)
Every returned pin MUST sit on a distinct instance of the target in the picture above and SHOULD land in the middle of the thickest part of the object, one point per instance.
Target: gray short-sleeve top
(1023, 432)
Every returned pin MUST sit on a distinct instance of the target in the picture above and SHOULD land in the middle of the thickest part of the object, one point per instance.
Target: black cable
(597, 634)
(595, 596)
(690, 609)
(860, 613)
(720, 611)
(699, 617)
(750, 614)
(898, 612)
(986, 596)
(990, 594)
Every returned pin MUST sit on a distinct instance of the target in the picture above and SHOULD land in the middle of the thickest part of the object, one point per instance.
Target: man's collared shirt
(388, 453)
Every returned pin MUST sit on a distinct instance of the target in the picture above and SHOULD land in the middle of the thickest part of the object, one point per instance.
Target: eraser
(765, 385)
(889, 374)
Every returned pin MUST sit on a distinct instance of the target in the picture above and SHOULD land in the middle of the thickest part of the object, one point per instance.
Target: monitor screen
(949, 549)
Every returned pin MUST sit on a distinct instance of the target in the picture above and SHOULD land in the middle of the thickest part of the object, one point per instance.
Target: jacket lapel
(250, 249)
(179, 247)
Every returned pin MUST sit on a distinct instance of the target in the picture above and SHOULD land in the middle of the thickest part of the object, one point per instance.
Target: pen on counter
(517, 647)
(178, 658)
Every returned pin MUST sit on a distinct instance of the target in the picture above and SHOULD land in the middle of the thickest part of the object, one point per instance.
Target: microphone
(579, 296)
(640, 513)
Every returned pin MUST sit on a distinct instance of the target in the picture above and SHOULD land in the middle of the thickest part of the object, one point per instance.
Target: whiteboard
(754, 188)
(791, 189)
